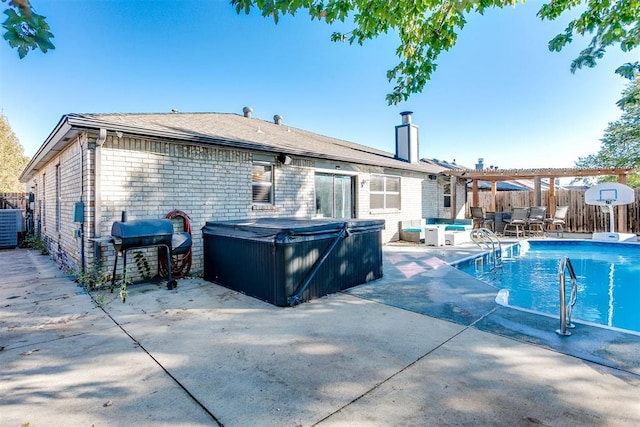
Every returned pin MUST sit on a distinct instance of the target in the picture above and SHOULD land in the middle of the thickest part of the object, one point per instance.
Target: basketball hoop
(607, 195)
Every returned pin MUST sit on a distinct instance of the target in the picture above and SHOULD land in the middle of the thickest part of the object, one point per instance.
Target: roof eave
(57, 141)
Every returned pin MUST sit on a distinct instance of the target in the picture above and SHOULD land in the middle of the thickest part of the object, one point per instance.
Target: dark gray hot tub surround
(286, 261)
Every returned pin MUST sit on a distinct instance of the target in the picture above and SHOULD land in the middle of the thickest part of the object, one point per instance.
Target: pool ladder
(487, 239)
(566, 308)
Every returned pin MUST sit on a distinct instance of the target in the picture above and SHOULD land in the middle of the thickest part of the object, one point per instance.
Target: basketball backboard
(609, 193)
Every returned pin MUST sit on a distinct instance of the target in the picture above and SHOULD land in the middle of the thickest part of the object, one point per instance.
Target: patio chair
(479, 219)
(557, 221)
(535, 220)
(517, 223)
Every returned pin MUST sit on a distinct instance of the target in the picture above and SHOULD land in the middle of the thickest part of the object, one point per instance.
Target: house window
(262, 183)
(447, 194)
(385, 192)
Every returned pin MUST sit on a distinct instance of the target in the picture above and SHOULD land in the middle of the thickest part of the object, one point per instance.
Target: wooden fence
(581, 218)
(13, 200)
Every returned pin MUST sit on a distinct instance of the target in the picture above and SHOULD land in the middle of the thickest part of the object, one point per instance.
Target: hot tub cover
(289, 260)
(283, 229)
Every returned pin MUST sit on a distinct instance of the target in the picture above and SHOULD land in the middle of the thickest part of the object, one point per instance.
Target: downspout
(97, 183)
(82, 169)
(97, 195)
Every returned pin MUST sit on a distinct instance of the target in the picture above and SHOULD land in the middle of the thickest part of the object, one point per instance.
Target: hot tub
(285, 261)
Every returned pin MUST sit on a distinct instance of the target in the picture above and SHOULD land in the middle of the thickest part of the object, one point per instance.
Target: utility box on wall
(78, 212)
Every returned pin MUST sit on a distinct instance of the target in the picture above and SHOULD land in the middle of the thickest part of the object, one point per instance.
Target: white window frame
(264, 183)
(446, 196)
(351, 193)
(386, 193)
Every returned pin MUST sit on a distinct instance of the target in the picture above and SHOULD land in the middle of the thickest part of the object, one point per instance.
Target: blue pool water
(608, 279)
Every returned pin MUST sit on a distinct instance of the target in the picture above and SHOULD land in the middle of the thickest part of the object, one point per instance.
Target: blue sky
(498, 94)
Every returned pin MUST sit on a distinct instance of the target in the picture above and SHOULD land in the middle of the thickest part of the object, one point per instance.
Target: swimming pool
(608, 279)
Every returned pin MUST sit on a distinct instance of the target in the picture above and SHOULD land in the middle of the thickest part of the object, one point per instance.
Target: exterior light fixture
(284, 159)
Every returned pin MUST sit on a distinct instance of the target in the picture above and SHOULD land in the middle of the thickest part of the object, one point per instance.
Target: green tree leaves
(621, 141)
(628, 70)
(426, 28)
(13, 159)
(25, 30)
(610, 22)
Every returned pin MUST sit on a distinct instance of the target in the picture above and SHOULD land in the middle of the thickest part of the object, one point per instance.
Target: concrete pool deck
(424, 345)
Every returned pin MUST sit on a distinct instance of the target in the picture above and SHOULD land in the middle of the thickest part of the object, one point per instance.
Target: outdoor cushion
(458, 227)
(412, 230)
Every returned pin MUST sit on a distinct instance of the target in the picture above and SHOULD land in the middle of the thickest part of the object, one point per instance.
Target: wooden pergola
(495, 175)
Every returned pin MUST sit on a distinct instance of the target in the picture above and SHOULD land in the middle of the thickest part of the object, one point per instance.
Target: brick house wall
(148, 178)
(56, 189)
(411, 207)
(431, 191)
(434, 190)
(410, 203)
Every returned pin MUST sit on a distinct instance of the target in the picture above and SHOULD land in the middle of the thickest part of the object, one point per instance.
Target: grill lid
(141, 227)
(142, 232)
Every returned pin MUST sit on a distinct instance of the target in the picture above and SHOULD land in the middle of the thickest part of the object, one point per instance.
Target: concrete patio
(424, 345)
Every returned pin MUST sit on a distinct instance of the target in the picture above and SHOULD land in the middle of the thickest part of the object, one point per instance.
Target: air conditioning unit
(10, 224)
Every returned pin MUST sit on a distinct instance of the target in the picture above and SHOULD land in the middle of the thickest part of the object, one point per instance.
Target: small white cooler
(434, 235)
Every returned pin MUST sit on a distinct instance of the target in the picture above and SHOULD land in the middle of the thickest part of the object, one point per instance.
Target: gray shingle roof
(250, 133)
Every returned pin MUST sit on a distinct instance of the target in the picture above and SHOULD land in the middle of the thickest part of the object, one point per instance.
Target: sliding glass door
(334, 196)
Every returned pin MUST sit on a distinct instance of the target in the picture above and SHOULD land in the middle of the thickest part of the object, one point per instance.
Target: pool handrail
(566, 308)
(487, 239)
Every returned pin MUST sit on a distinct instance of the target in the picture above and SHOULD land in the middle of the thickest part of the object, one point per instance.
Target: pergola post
(622, 209)
(552, 196)
(537, 187)
(474, 191)
(494, 190)
(453, 185)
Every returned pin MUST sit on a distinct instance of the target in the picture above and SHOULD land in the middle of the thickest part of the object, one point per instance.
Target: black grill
(143, 233)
